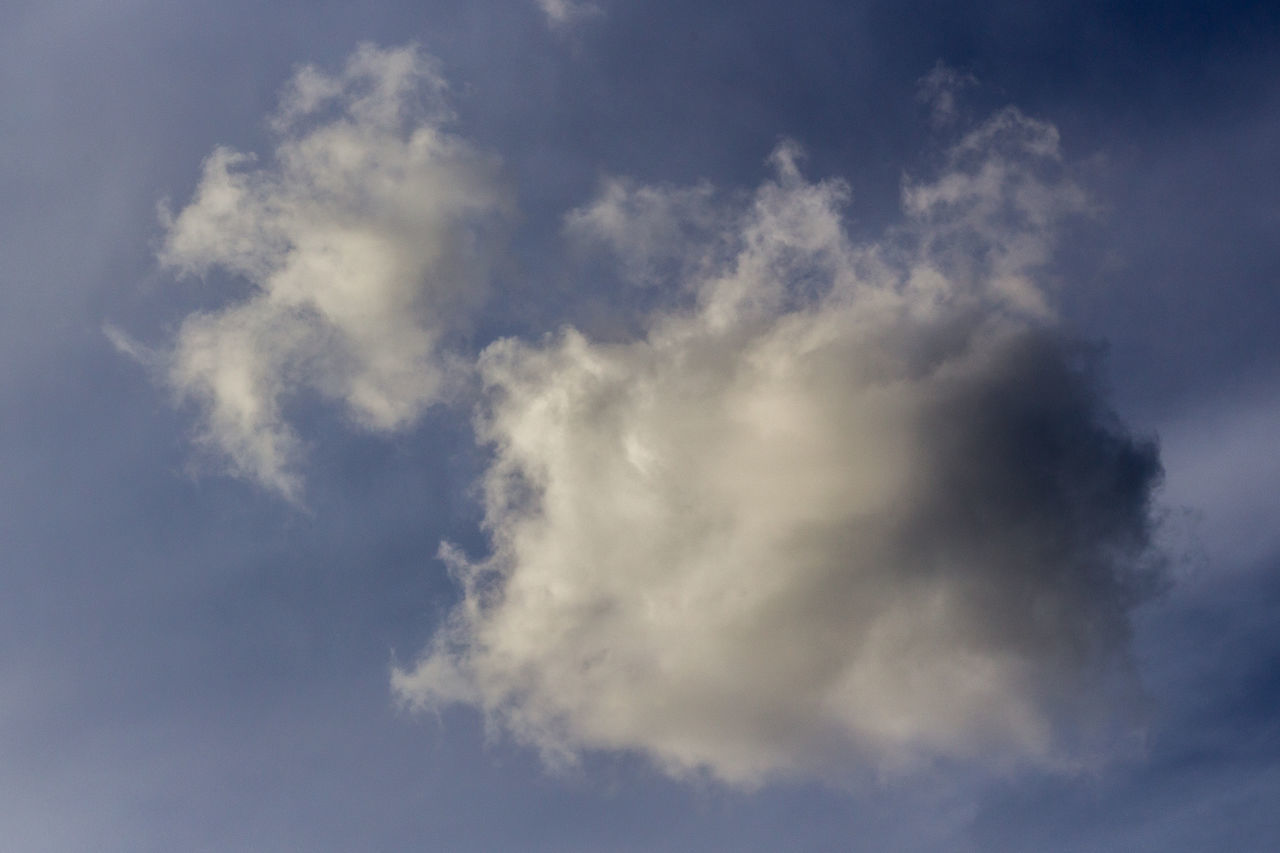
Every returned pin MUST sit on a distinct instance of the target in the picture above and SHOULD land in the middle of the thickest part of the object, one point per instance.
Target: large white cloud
(365, 238)
(855, 503)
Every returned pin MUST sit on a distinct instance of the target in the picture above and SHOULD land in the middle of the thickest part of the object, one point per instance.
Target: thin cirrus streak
(857, 505)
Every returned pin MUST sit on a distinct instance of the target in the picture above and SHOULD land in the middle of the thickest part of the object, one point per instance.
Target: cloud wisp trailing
(842, 504)
(366, 240)
(564, 13)
(938, 90)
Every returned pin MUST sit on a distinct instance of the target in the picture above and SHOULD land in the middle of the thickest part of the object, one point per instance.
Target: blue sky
(825, 458)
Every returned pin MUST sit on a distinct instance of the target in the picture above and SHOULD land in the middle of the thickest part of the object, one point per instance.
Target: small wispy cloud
(939, 90)
(654, 233)
(563, 13)
(365, 238)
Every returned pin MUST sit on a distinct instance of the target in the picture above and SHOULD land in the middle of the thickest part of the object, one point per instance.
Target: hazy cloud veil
(842, 501)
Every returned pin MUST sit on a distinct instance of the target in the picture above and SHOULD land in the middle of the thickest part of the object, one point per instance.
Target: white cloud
(656, 233)
(561, 13)
(939, 88)
(860, 503)
(364, 239)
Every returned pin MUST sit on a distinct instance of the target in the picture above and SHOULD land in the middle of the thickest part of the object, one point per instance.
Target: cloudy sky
(567, 426)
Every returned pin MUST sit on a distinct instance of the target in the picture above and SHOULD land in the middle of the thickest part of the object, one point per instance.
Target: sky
(567, 426)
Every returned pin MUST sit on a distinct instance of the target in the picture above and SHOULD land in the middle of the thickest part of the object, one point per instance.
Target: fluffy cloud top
(856, 503)
(365, 240)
